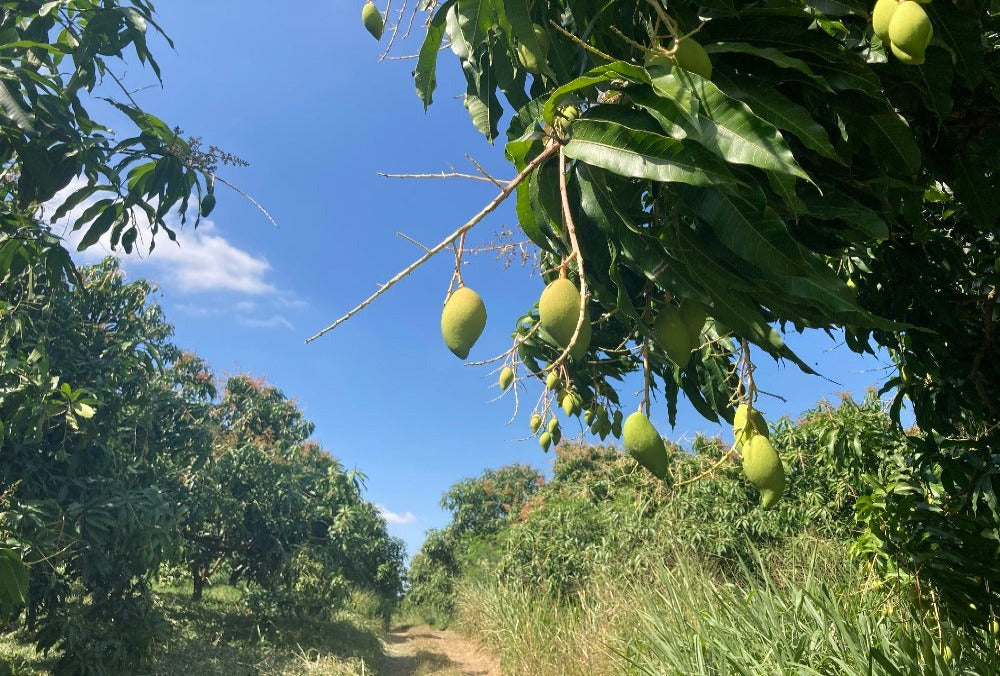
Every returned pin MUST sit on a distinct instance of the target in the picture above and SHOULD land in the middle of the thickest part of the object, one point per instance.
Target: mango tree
(777, 167)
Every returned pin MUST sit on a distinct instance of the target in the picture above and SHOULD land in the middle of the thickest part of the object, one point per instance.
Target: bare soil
(420, 651)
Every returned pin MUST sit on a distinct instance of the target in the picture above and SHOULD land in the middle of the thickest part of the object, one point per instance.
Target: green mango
(545, 441)
(910, 31)
(743, 428)
(693, 58)
(462, 321)
(559, 311)
(534, 62)
(535, 423)
(506, 377)
(763, 468)
(671, 334)
(694, 313)
(372, 19)
(881, 16)
(644, 443)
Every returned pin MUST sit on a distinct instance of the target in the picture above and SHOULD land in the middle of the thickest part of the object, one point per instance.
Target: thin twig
(489, 208)
(247, 197)
(589, 48)
(710, 470)
(517, 343)
(453, 174)
(485, 173)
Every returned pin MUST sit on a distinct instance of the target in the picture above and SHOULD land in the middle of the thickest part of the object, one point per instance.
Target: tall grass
(803, 609)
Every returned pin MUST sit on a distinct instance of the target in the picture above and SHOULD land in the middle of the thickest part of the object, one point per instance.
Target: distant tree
(482, 505)
(103, 421)
(271, 507)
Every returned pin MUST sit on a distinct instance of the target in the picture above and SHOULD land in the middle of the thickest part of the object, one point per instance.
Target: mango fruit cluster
(905, 27)
(761, 462)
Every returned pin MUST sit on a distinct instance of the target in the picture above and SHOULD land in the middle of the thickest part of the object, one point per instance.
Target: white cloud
(200, 260)
(271, 322)
(394, 518)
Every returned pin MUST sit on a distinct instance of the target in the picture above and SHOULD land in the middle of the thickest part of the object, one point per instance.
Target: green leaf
(856, 218)
(425, 74)
(13, 580)
(891, 139)
(729, 127)
(958, 28)
(751, 231)
(10, 105)
(601, 139)
(776, 56)
(619, 70)
(776, 108)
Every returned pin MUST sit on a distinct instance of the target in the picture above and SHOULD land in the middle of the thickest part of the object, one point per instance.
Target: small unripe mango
(372, 19)
(462, 321)
(545, 441)
(568, 404)
(533, 62)
(506, 377)
(552, 381)
(744, 427)
(553, 425)
(644, 443)
(559, 311)
(672, 335)
(910, 31)
(535, 423)
(692, 57)
(763, 468)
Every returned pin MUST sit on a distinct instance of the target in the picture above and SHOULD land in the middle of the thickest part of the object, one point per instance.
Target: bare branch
(489, 208)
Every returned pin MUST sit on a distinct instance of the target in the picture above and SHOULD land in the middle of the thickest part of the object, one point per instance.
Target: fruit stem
(436, 249)
(571, 228)
(589, 48)
(646, 377)
(707, 472)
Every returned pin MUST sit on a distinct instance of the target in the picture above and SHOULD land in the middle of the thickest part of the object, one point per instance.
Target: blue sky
(301, 94)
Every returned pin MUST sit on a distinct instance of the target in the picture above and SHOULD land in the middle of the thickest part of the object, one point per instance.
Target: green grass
(804, 609)
(219, 636)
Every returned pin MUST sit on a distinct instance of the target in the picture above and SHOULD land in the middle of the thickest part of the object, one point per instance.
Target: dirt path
(421, 651)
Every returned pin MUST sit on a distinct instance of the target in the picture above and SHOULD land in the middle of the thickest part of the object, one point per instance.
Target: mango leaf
(618, 70)
(957, 27)
(730, 304)
(751, 231)
(775, 56)
(891, 140)
(839, 7)
(776, 108)
(601, 139)
(425, 74)
(857, 218)
(729, 127)
(13, 579)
